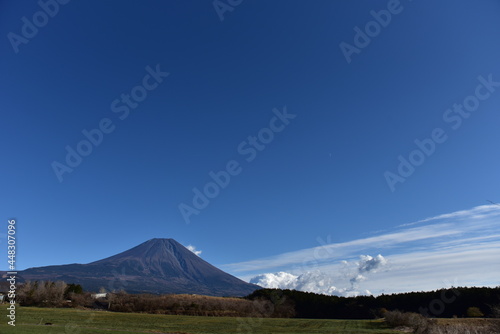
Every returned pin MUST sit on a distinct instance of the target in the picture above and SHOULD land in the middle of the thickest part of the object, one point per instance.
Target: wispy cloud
(459, 246)
(351, 248)
(477, 211)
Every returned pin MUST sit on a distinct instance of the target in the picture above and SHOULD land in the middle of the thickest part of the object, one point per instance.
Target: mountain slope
(155, 266)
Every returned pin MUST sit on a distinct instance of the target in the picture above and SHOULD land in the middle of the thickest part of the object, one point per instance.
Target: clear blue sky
(322, 175)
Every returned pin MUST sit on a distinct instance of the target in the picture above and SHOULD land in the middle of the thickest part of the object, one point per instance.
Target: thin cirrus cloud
(458, 248)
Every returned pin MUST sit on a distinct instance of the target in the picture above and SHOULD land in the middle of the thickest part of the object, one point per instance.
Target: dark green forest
(444, 303)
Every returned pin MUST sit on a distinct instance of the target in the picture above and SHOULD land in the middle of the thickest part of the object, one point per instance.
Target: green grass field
(31, 320)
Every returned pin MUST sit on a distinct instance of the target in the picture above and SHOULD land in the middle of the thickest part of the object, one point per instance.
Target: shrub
(73, 288)
(80, 300)
(409, 319)
(474, 312)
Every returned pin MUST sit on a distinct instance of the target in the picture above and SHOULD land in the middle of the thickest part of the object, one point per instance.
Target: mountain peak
(160, 240)
(153, 254)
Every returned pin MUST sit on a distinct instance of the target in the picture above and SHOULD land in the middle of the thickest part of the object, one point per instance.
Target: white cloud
(280, 280)
(369, 264)
(311, 282)
(193, 249)
(357, 279)
(339, 284)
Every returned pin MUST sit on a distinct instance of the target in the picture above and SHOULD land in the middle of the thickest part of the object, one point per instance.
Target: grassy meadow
(31, 320)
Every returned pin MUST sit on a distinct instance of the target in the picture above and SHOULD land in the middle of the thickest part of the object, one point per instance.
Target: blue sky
(323, 174)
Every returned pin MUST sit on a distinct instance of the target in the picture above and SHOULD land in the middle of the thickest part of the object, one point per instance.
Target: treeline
(194, 305)
(60, 294)
(50, 294)
(444, 303)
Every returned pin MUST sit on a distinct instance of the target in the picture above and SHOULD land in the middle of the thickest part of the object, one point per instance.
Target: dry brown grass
(421, 325)
(464, 326)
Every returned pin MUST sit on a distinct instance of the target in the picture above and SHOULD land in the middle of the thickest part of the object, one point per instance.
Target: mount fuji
(157, 266)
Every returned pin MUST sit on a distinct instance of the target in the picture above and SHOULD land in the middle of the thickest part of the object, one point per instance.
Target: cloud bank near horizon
(320, 282)
(459, 248)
